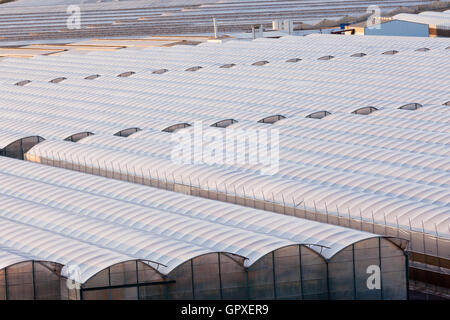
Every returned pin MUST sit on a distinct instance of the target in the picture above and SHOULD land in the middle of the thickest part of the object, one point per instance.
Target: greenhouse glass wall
(294, 272)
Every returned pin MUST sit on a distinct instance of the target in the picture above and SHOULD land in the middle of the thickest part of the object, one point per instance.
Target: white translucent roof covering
(407, 213)
(292, 167)
(146, 223)
(390, 166)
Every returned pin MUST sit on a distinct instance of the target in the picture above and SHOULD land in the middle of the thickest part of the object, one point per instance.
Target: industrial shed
(363, 144)
(133, 247)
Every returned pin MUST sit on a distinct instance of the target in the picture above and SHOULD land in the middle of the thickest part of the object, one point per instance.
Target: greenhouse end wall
(293, 272)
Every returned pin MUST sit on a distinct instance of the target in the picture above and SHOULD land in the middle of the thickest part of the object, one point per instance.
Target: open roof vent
(228, 65)
(326, 58)
(390, 52)
(92, 77)
(260, 63)
(22, 83)
(196, 68)
(126, 74)
(160, 71)
(365, 110)
(411, 106)
(359, 54)
(58, 80)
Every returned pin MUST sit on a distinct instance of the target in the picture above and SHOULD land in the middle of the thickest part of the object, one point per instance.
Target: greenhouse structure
(116, 182)
(122, 240)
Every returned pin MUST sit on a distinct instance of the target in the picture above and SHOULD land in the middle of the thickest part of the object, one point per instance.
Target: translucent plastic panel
(20, 282)
(175, 127)
(47, 282)
(314, 275)
(124, 293)
(272, 119)
(366, 254)
(153, 292)
(182, 289)
(260, 279)
(123, 273)
(146, 274)
(127, 132)
(97, 295)
(206, 277)
(101, 279)
(340, 273)
(233, 277)
(287, 273)
(66, 293)
(393, 271)
(78, 136)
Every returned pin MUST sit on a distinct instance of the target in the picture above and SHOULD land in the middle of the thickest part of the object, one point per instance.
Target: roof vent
(326, 58)
(260, 63)
(223, 123)
(58, 80)
(160, 71)
(192, 69)
(318, 115)
(22, 83)
(359, 54)
(175, 127)
(228, 65)
(92, 77)
(365, 110)
(127, 132)
(411, 106)
(390, 52)
(272, 119)
(78, 136)
(126, 74)
(294, 60)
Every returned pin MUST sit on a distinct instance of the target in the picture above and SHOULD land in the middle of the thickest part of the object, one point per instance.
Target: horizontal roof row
(269, 89)
(404, 212)
(71, 218)
(291, 166)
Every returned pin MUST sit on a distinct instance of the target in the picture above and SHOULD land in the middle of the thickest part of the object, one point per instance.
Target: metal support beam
(381, 271)
(6, 284)
(274, 276)
(220, 276)
(328, 282)
(301, 271)
(132, 285)
(192, 277)
(354, 272)
(34, 279)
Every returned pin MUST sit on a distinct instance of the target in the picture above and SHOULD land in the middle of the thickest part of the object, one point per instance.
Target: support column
(220, 276)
